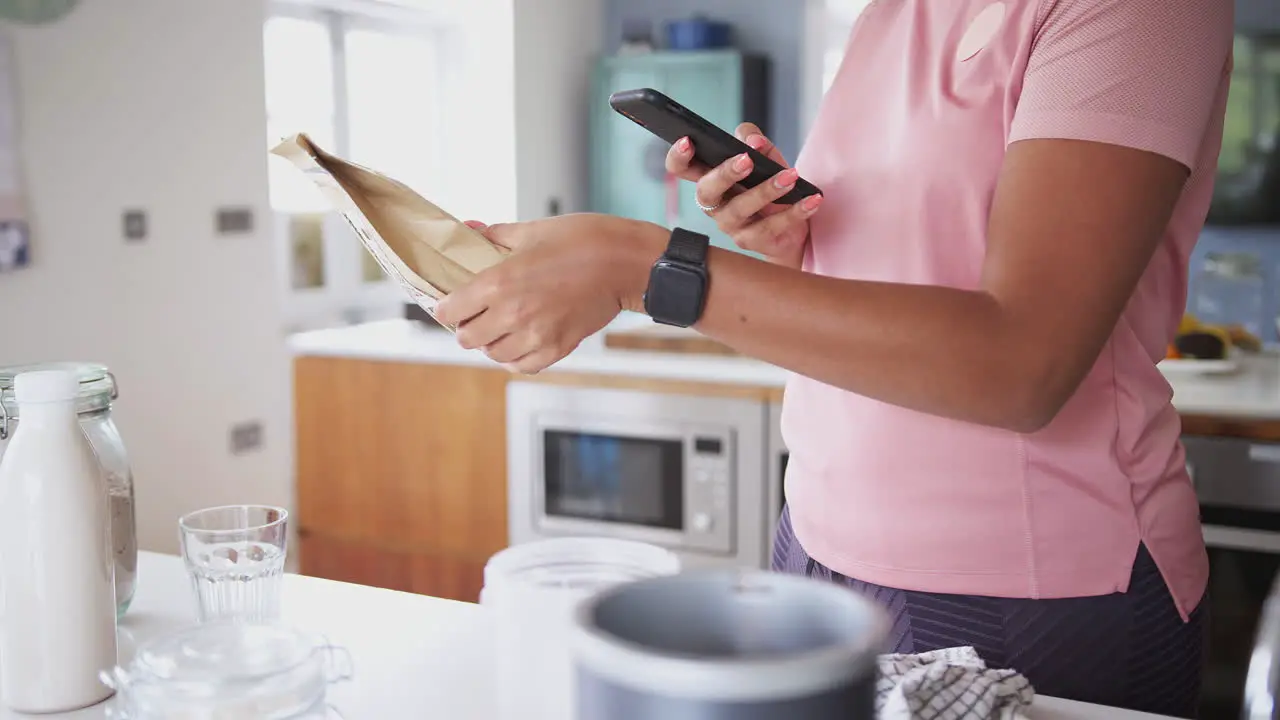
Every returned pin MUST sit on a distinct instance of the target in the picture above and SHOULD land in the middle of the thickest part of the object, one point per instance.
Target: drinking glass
(235, 556)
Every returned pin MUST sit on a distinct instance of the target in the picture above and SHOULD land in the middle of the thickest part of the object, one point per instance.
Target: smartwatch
(678, 281)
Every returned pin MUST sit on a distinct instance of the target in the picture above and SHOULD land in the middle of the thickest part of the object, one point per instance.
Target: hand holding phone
(712, 146)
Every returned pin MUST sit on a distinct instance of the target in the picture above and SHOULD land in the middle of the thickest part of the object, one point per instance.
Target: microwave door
(612, 481)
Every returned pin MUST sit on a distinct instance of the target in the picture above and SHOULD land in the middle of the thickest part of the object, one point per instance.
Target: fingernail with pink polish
(742, 163)
(785, 179)
(756, 141)
(811, 203)
(683, 145)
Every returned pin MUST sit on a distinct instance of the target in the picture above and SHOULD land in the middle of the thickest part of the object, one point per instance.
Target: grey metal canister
(727, 645)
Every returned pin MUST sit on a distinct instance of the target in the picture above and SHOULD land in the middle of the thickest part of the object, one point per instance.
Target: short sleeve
(1146, 74)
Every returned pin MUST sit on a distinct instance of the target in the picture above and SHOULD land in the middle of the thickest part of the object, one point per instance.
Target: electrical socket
(246, 437)
(233, 220)
(134, 223)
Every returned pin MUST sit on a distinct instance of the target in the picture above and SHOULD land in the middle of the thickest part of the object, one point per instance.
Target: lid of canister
(575, 565)
(46, 386)
(97, 386)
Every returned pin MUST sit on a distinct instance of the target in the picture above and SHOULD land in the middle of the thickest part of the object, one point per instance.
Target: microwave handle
(1265, 452)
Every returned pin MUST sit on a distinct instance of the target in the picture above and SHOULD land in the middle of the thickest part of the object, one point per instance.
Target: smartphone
(712, 146)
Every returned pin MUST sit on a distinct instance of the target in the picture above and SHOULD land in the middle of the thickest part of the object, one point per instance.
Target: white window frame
(826, 28)
(344, 297)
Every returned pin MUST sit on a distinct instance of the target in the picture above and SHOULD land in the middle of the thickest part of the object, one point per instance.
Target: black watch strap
(678, 280)
(687, 246)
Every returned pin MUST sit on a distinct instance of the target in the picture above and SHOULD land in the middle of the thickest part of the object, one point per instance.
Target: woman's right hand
(751, 218)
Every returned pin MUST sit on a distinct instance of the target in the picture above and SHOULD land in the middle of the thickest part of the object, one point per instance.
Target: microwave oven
(687, 473)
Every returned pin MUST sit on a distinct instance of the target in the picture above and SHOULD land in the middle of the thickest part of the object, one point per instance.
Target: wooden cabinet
(1261, 429)
(367, 564)
(402, 467)
(401, 473)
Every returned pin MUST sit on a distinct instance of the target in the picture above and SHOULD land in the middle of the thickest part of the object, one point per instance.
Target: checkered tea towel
(950, 684)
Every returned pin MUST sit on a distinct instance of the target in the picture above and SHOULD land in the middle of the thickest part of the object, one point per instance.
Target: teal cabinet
(627, 162)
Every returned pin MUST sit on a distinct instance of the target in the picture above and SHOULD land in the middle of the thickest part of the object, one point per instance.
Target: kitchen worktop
(410, 341)
(1253, 393)
(412, 656)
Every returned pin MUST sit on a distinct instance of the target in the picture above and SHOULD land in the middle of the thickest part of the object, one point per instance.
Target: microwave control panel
(709, 509)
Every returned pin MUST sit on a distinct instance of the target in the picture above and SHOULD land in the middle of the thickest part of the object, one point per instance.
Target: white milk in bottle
(58, 628)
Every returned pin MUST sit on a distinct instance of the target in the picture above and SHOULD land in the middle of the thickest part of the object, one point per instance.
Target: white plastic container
(56, 569)
(533, 591)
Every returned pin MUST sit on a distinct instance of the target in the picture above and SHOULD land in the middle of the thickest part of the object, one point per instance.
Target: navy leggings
(1129, 650)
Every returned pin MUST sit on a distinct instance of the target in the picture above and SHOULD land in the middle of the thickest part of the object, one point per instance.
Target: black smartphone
(712, 146)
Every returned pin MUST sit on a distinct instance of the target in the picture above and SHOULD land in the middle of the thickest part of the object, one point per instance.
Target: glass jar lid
(229, 670)
(98, 387)
(224, 653)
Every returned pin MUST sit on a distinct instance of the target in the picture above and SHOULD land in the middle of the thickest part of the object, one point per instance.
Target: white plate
(1200, 367)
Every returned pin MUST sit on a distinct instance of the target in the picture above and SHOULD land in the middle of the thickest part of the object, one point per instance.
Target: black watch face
(675, 295)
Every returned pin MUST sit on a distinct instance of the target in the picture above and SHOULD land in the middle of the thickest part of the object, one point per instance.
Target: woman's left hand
(566, 278)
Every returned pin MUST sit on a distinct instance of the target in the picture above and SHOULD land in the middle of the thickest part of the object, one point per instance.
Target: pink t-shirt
(907, 147)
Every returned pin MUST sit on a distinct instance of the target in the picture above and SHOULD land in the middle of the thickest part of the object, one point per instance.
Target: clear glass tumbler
(235, 557)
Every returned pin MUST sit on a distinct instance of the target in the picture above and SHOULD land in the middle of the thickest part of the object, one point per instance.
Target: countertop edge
(1251, 395)
(401, 341)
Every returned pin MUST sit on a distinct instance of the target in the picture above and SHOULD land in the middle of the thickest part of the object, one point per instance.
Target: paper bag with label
(427, 250)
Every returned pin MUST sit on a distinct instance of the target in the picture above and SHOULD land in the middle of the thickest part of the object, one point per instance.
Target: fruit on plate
(1199, 341)
(1244, 339)
(1207, 343)
(1189, 323)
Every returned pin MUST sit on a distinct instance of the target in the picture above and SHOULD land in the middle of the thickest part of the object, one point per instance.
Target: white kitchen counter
(1254, 392)
(409, 341)
(414, 656)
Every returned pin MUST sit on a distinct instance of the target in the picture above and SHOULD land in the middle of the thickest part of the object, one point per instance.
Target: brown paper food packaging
(417, 244)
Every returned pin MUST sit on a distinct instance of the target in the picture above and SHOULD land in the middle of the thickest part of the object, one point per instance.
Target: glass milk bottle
(57, 586)
(98, 390)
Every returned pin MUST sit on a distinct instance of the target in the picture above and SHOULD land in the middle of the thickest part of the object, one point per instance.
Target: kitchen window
(367, 87)
(828, 24)
(841, 17)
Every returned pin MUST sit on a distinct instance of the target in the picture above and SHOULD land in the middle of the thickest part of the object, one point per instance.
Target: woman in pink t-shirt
(973, 311)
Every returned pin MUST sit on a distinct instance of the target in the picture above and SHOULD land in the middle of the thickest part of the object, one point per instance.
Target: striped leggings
(1130, 650)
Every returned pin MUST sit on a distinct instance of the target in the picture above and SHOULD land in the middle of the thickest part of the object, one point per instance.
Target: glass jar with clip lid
(228, 670)
(98, 390)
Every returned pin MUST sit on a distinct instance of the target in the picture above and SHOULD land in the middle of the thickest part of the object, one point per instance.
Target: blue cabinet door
(627, 170)
(626, 158)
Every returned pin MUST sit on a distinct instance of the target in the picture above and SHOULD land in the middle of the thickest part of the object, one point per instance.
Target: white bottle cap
(46, 386)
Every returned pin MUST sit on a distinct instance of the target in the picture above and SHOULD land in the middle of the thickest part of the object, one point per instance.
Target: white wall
(556, 45)
(156, 104)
